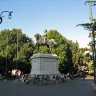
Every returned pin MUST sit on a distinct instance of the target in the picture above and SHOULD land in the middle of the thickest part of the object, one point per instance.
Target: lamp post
(1, 20)
(6, 69)
(92, 28)
(9, 15)
(17, 52)
(94, 49)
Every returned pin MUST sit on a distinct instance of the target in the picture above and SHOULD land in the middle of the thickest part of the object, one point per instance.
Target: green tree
(62, 49)
(68, 52)
(19, 44)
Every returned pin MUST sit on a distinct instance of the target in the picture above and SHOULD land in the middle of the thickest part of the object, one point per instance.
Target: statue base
(45, 64)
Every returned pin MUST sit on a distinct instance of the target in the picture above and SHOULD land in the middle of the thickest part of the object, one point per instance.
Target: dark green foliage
(52, 42)
(9, 51)
(66, 50)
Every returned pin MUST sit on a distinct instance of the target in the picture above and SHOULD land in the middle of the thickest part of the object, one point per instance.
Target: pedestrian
(83, 75)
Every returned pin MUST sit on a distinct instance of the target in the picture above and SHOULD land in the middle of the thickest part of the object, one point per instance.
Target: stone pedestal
(44, 64)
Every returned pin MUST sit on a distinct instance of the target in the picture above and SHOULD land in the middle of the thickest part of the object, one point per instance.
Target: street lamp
(6, 69)
(9, 15)
(1, 19)
(92, 27)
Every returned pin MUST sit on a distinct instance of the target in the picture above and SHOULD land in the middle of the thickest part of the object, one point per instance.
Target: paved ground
(69, 88)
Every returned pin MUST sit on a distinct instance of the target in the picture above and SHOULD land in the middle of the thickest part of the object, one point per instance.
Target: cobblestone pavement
(77, 87)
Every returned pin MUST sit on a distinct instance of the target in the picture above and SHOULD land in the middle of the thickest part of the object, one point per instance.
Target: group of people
(41, 79)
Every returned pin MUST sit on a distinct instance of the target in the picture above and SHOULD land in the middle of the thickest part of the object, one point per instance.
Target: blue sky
(34, 16)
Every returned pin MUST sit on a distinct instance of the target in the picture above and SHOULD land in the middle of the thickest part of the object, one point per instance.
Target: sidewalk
(76, 87)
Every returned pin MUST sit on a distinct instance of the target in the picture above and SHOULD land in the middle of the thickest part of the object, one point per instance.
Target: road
(76, 87)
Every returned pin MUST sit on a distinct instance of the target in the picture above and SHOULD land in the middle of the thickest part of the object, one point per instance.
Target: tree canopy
(67, 51)
(16, 48)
